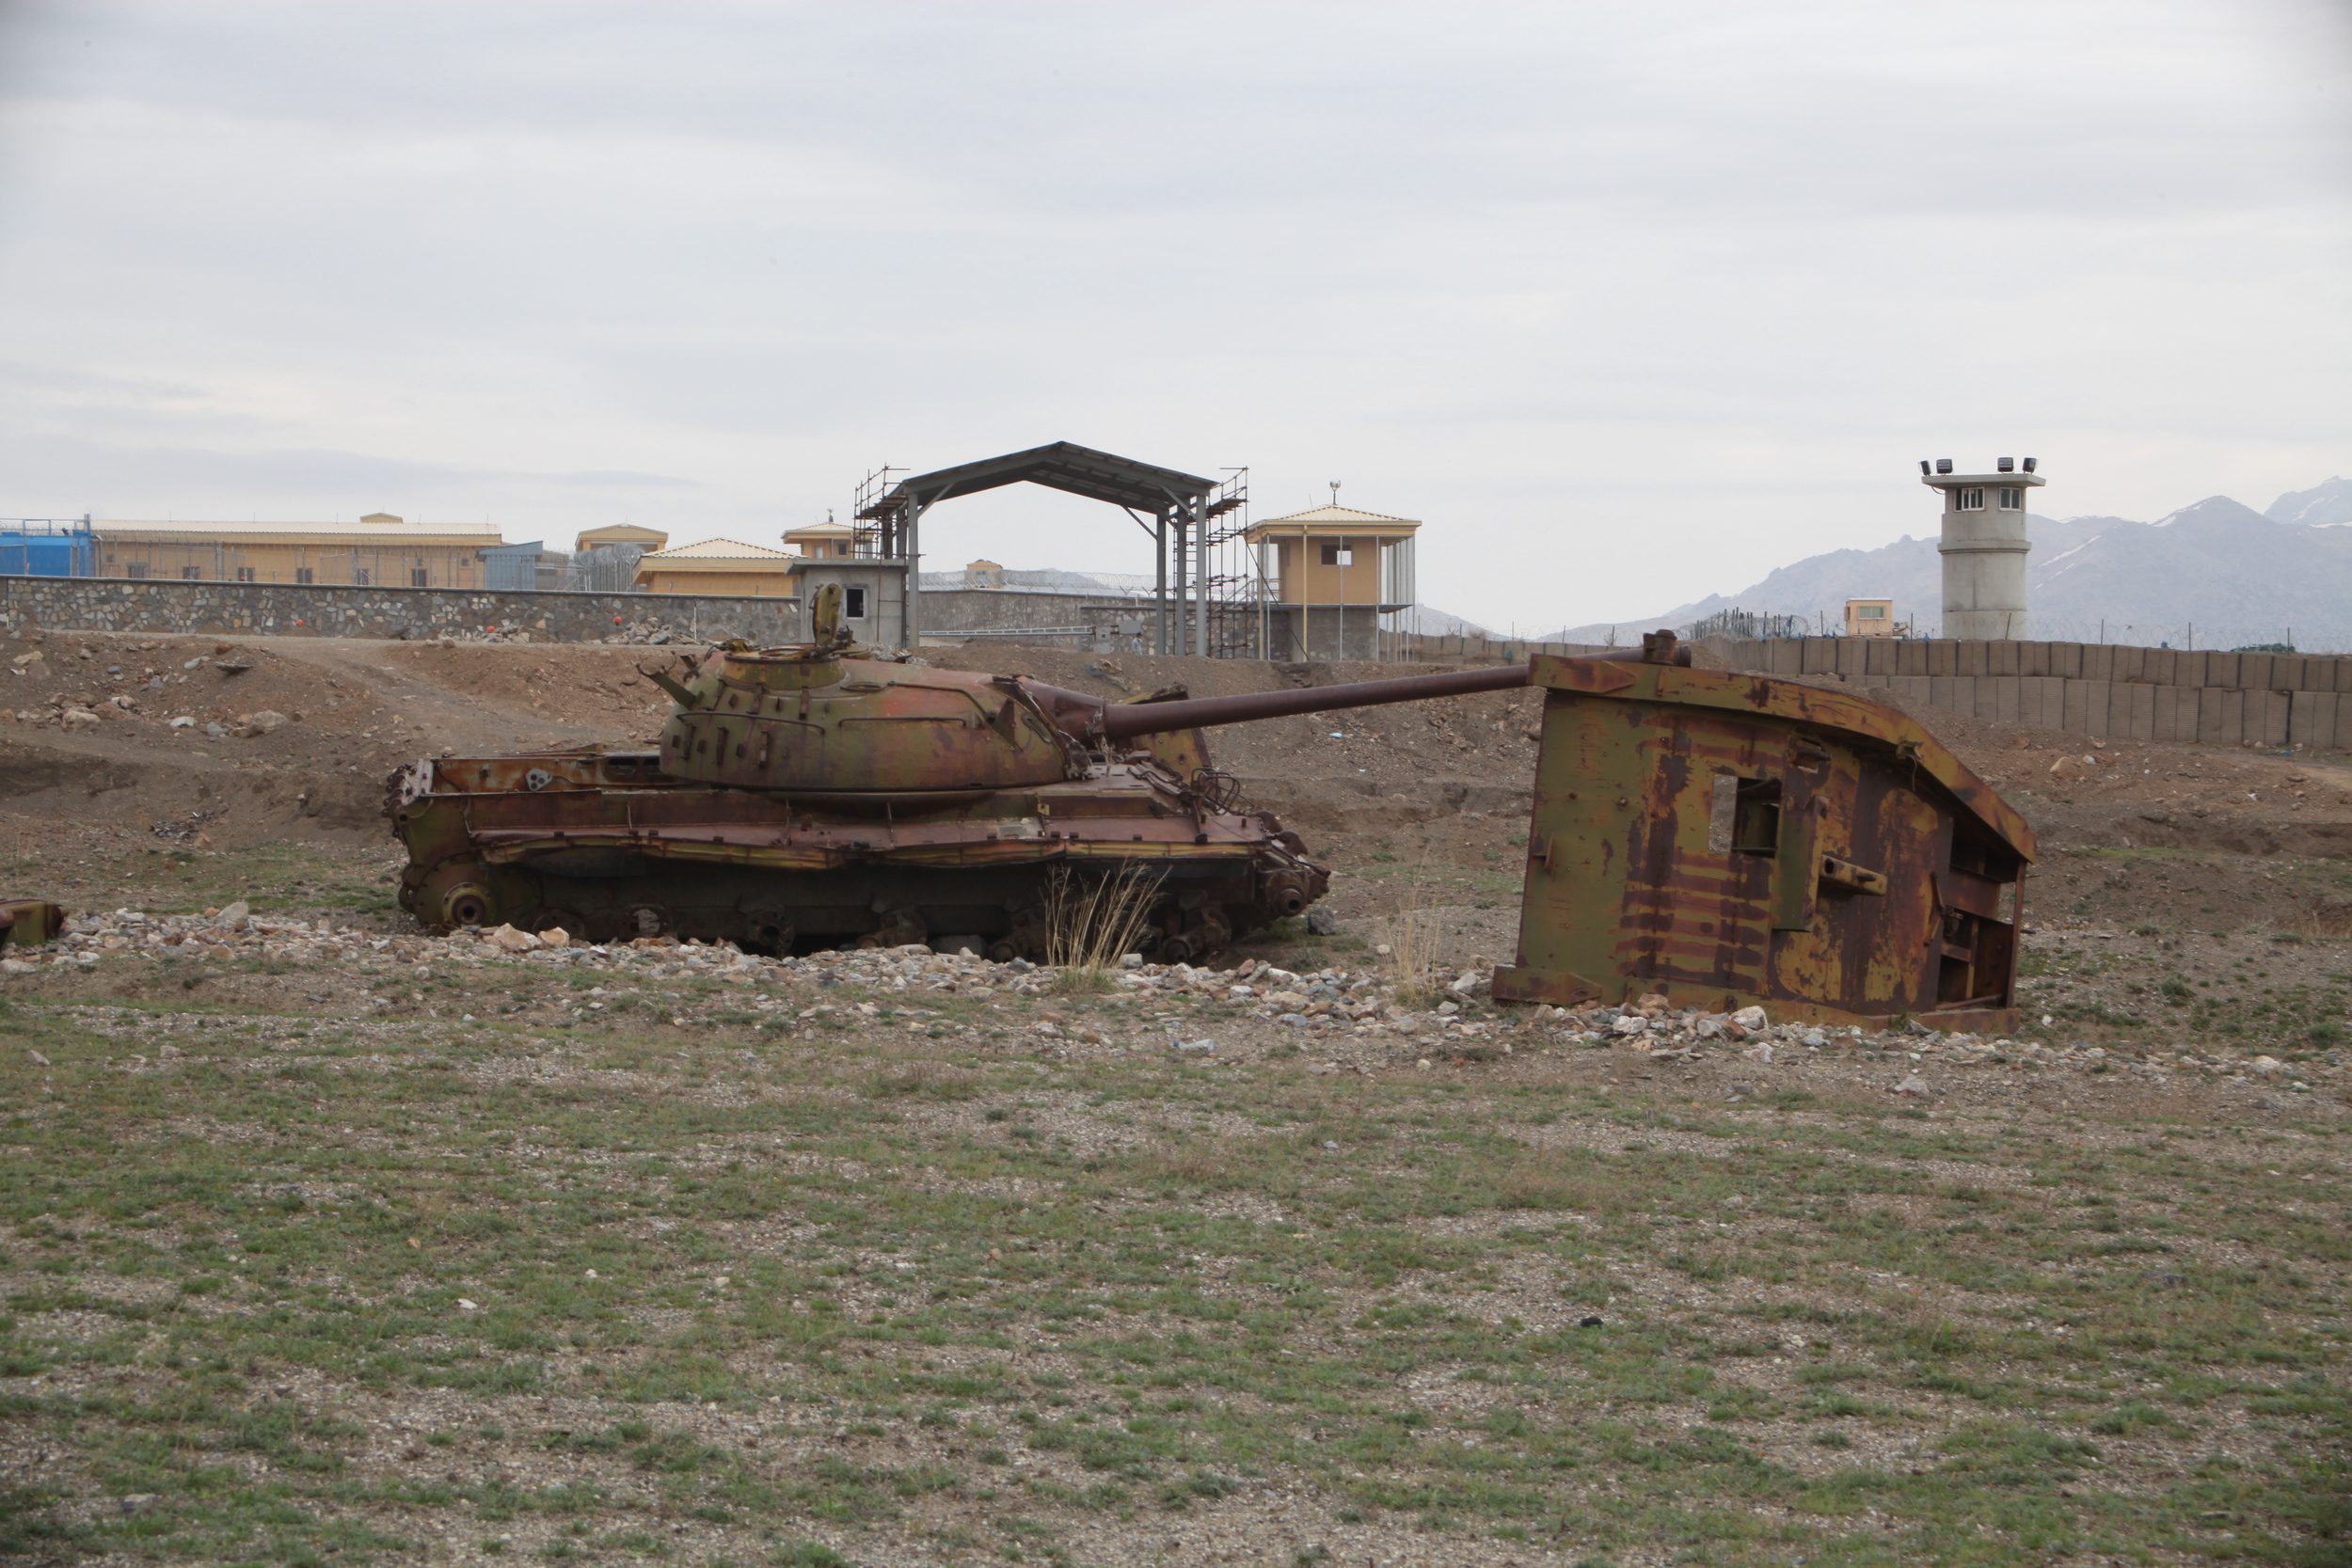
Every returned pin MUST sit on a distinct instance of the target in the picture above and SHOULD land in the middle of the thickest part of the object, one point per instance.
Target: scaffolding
(1190, 525)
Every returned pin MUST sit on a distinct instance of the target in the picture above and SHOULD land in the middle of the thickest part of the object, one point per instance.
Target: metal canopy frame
(1183, 508)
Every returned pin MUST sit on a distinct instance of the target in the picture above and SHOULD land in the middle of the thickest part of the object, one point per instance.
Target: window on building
(191, 574)
(1970, 501)
(853, 604)
(1338, 555)
(358, 576)
(245, 574)
(2011, 501)
(136, 571)
(304, 574)
(416, 578)
(1870, 612)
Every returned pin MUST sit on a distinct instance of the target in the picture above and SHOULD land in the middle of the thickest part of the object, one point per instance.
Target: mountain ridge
(2213, 573)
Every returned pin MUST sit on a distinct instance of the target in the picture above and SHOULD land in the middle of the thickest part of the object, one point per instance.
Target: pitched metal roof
(1335, 515)
(716, 549)
(1064, 466)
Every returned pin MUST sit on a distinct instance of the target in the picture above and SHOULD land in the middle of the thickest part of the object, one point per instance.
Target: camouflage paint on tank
(792, 719)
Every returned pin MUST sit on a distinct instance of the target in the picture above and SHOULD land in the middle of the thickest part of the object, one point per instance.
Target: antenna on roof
(1335, 492)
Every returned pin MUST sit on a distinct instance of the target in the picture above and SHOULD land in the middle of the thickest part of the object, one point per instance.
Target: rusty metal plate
(1726, 840)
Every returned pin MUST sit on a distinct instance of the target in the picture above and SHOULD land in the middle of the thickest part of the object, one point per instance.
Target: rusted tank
(820, 795)
(1726, 839)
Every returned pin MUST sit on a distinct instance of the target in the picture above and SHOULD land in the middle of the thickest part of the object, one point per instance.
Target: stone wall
(950, 612)
(284, 610)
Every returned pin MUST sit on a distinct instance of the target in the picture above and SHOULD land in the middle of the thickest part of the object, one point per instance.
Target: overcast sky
(1631, 303)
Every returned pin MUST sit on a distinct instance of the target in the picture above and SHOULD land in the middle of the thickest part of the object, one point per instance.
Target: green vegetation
(906, 1285)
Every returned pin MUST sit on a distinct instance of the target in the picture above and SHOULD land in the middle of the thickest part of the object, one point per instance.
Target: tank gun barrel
(1120, 721)
(1081, 714)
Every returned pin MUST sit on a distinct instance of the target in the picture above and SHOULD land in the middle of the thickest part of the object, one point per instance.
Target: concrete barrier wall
(284, 610)
(1857, 656)
(2220, 699)
(2132, 710)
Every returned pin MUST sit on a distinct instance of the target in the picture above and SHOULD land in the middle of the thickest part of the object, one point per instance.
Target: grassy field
(294, 1281)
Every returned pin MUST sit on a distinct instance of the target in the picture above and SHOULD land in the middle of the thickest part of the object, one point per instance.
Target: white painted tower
(1984, 547)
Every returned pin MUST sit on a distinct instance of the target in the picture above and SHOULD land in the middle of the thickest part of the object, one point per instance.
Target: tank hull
(607, 847)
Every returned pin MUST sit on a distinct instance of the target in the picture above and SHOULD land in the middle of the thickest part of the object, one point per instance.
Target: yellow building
(724, 566)
(1328, 576)
(821, 541)
(620, 533)
(378, 551)
(1336, 555)
(1870, 618)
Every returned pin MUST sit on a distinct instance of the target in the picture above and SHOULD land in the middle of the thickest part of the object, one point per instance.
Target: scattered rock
(1321, 922)
(1749, 1018)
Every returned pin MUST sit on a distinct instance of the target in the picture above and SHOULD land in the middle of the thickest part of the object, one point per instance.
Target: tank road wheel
(899, 927)
(1031, 935)
(1198, 933)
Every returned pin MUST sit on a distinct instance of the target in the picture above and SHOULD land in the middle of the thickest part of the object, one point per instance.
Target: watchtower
(1984, 547)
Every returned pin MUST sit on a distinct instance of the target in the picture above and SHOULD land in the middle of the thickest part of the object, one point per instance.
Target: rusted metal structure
(808, 797)
(1726, 839)
(29, 922)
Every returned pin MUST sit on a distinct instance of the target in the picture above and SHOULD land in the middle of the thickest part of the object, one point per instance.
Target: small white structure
(1984, 547)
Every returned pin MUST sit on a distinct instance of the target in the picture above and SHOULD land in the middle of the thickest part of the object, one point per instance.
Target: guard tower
(1984, 547)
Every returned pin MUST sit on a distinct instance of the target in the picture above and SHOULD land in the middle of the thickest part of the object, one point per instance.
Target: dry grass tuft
(1413, 937)
(1094, 922)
